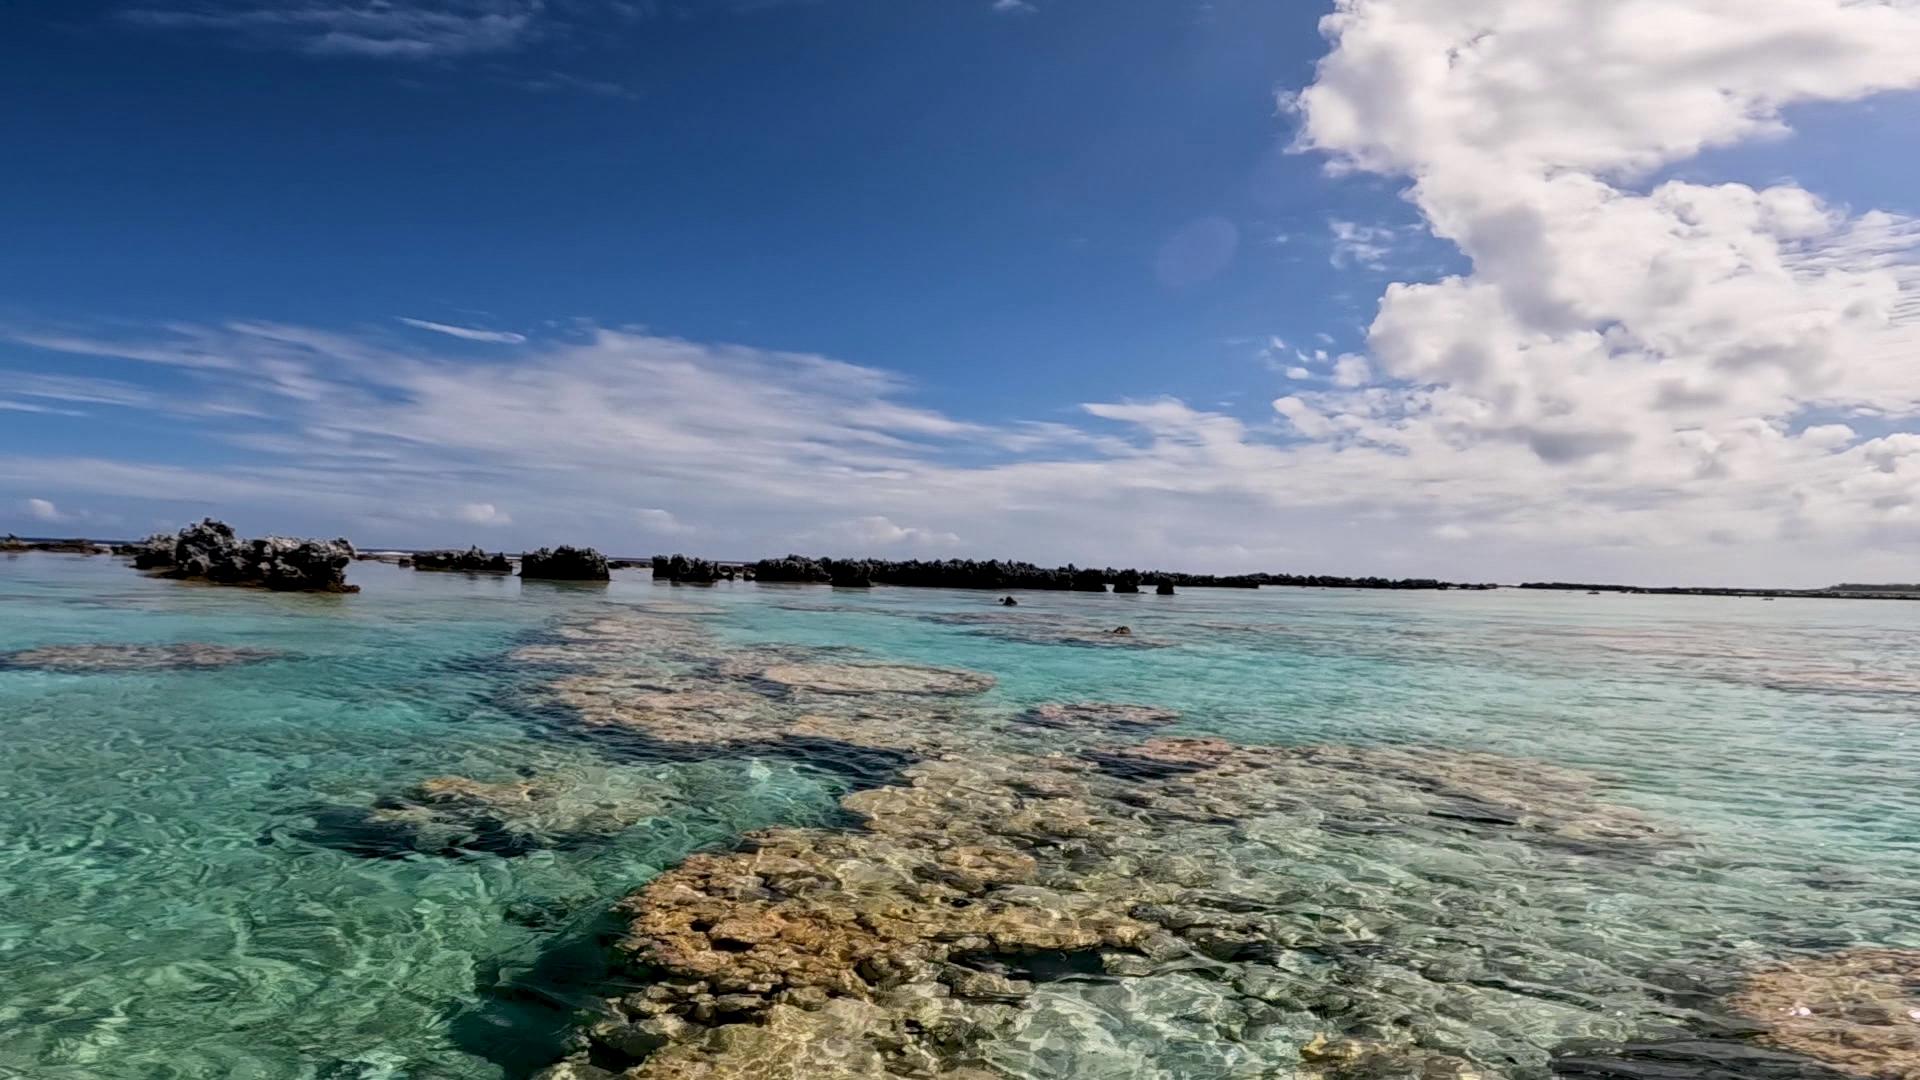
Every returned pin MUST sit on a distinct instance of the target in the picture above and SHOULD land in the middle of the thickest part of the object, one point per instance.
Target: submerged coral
(104, 657)
(1041, 628)
(912, 946)
(876, 679)
(459, 815)
(1857, 1011)
(1098, 716)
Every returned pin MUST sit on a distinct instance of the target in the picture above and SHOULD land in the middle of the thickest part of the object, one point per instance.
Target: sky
(1600, 290)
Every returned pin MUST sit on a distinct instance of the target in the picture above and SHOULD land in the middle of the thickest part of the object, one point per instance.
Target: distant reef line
(210, 552)
(996, 574)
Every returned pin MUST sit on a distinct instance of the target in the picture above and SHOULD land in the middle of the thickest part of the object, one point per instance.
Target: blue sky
(1194, 284)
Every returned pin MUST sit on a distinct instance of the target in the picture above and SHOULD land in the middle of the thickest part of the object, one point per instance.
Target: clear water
(175, 900)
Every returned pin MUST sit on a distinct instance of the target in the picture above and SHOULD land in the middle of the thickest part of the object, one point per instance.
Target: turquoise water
(183, 892)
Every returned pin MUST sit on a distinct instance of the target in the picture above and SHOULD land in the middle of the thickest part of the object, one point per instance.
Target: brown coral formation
(457, 814)
(1363, 1059)
(1856, 1011)
(1098, 716)
(902, 949)
(876, 679)
(176, 655)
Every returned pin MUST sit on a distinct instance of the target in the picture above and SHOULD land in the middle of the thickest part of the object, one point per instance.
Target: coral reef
(912, 946)
(1097, 716)
(105, 657)
(458, 815)
(1857, 1011)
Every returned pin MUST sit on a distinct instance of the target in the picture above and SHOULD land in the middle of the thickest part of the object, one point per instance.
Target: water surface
(182, 893)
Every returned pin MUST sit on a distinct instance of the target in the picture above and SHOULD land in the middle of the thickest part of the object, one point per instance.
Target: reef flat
(456, 829)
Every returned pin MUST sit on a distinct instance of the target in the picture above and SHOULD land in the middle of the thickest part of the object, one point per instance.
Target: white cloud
(467, 333)
(42, 510)
(1360, 245)
(661, 522)
(1014, 7)
(1352, 370)
(772, 451)
(482, 514)
(879, 531)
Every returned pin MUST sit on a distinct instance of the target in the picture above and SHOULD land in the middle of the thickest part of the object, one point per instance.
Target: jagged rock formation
(1163, 588)
(153, 553)
(565, 563)
(684, 571)
(1125, 581)
(472, 561)
(211, 552)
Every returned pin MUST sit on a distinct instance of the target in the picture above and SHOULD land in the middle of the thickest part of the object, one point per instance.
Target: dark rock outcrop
(684, 571)
(565, 563)
(1088, 580)
(852, 575)
(1008, 601)
(211, 552)
(1126, 581)
(153, 553)
(1163, 588)
(473, 561)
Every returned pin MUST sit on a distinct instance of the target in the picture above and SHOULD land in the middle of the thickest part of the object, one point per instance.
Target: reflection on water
(1300, 833)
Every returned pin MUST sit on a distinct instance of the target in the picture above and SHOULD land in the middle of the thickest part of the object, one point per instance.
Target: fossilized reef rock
(211, 552)
(565, 564)
(472, 561)
(1856, 1011)
(81, 658)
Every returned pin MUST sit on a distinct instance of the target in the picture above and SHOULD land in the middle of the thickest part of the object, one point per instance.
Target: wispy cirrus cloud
(380, 29)
(467, 333)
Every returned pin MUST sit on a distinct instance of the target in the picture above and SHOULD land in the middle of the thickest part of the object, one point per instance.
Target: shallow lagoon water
(178, 899)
